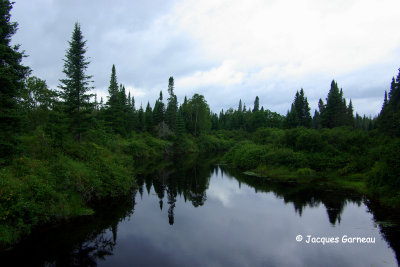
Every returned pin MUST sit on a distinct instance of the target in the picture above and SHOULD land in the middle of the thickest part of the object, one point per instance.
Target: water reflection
(80, 242)
(194, 211)
(303, 195)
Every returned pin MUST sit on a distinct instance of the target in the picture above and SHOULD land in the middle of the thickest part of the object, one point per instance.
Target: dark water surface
(196, 213)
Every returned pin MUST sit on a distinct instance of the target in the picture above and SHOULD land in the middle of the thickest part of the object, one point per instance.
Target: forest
(63, 149)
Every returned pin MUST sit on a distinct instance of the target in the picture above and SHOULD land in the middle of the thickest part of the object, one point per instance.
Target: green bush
(271, 136)
(309, 140)
(285, 157)
(245, 155)
(212, 143)
(305, 172)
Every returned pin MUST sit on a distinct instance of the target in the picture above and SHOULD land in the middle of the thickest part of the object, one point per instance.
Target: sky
(225, 50)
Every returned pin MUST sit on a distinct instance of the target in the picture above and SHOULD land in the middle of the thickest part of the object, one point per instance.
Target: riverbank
(362, 161)
(48, 183)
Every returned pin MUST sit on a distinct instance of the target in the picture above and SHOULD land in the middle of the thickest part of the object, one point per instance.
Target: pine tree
(12, 75)
(75, 86)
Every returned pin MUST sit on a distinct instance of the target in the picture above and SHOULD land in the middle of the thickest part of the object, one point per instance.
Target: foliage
(75, 86)
(12, 75)
(299, 114)
(335, 113)
(46, 184)
(389, 118)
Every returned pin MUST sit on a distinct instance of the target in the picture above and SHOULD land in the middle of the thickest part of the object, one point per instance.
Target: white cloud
(298, 36)
(136, 92)
(223, 75)
(285, 44)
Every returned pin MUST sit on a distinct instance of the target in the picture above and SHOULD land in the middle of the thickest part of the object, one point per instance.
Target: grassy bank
(345, 157)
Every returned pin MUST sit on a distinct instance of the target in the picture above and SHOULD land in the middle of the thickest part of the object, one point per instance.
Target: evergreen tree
(12, 75)
(350, 116)
(148, 118)
(316, 120)
(159, 110)
(172, 105)
(389, 118)
(75, 86)
(141, 122)
(117, 109)
(335, 113)
(299, 114)
(256, 104)
(131, 116)
(184, 109)
(240, 106)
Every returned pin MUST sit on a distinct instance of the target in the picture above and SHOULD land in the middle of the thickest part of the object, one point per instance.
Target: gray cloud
(226, 50)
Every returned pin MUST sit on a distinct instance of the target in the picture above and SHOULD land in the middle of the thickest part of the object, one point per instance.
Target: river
(194, 212)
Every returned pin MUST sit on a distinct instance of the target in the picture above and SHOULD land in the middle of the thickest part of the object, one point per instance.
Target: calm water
(196, 213)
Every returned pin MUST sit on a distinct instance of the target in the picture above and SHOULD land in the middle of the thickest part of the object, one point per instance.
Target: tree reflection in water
(80, 242)
(86, 241)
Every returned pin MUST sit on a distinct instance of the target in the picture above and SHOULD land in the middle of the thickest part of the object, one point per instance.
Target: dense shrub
(386, 171)
(146, 146)
(46, 184)
(246, 155)
(285, 157)
(212, 143)
(272, 136)
(309, 140)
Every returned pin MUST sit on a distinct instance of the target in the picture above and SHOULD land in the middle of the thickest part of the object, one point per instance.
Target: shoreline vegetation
(62, 150)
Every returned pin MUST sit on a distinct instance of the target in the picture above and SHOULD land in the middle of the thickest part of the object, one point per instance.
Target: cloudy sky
(224, 49)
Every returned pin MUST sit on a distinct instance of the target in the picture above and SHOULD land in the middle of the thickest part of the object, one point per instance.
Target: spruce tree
(12, 75)
(299, 114)
(335, 113)
(350, 116)
(159, 110)
(256, 104)
(316, 120)
(75, 86)
(389, 117)
(172, 105)
(148, 118)
(141, 122)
